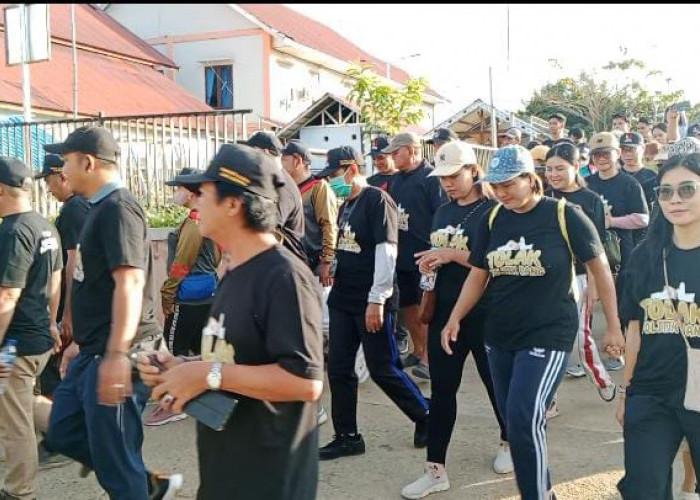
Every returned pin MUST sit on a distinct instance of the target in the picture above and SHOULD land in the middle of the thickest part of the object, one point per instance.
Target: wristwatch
(214, 376)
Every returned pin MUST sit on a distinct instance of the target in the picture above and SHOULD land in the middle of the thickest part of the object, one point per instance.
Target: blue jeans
(524, 383)
(107, 439)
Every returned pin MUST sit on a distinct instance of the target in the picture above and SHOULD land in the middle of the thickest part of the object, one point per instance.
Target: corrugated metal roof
(108, 84)
(98, 30)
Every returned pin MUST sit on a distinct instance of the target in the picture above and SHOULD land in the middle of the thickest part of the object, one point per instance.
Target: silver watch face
(214, 376)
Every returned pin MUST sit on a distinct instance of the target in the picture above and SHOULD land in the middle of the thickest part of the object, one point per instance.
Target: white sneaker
(503, 463)
(575, 371)
(684, 495)
(433, 481)
(321, 415)
(361, 366)
(608, 393)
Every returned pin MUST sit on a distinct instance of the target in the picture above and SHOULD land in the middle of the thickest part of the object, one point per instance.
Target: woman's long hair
(659, 235)
(483, 188)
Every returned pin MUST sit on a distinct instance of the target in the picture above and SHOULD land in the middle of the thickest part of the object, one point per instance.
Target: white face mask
(180, 198)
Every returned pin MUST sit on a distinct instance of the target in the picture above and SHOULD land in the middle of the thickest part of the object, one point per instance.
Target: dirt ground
(584, 443)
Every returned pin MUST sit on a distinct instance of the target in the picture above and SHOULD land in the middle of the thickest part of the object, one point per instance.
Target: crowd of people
(278, 276)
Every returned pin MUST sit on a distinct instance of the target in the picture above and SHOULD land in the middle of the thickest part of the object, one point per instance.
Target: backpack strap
(492, 215)
(561, 215)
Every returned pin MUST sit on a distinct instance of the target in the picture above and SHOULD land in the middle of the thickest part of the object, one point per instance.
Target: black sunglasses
(686, 190)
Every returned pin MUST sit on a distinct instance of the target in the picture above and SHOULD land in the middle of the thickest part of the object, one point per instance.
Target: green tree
(383, 107)
(590, 100)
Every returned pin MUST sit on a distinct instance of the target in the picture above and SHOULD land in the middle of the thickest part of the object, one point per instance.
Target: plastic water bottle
(8, 354)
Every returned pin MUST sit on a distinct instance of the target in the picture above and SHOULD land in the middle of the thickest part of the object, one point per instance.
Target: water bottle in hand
(8, 354)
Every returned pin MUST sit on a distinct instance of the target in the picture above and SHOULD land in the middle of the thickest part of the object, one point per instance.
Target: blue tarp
(12, 141)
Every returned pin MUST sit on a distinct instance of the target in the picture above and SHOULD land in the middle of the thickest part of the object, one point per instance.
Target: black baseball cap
(442, 135)
(91, 140)
(297, 148)
(13, 172)
(631, 140)
(264, 140)
(53, 164)
(693, 130)
(244, 167)
(177, 180)
(377, 145)
(344, 156)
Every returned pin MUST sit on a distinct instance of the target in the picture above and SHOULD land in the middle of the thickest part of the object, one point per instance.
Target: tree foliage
(383, 107)
(590, 100)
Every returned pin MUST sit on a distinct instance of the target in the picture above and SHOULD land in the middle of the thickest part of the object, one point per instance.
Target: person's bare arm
(613, 341)
(631, 353)
(67, 319)
(54, 301)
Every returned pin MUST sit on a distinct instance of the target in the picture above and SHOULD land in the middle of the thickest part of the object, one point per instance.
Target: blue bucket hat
(509, 162)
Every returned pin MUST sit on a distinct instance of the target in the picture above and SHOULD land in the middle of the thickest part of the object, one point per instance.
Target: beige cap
(401, 140)
(513, 133)
(539, 152)
(451, 157)
(604, 141)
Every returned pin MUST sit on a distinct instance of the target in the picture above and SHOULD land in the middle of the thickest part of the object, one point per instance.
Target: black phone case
(212, 408)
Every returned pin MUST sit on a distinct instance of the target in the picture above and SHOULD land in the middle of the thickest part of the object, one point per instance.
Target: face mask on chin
(339, 187)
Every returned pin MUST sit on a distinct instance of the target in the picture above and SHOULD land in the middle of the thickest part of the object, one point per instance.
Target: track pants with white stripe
(525, 382)
(347, 333)
(585, 351)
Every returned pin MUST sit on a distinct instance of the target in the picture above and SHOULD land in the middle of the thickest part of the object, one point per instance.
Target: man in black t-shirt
(625, 205)
(96, 415)
(69, 223)
(263, 343)
(362, 308)
(632, 147)
(418, 197)
(383, 165)
(30, 284)
(290, 207)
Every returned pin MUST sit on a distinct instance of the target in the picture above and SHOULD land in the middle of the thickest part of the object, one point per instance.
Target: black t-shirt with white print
(30, 252)
(624, 195)
(592, 206)
(363, 223)
(417, 197)
(268, 311)
(115, 234)
(455, 226)
(531, 303)
(661, 367)
(381, 181)
(69, 224)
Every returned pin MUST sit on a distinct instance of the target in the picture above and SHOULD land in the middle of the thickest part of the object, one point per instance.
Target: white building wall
(244, 53)
(151, 20)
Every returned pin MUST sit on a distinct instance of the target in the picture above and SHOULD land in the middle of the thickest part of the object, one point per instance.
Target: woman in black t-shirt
(524, 251)
(446, 264)
(566, 182)
(660, 296)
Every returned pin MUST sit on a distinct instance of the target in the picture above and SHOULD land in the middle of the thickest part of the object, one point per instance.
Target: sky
(458, 43)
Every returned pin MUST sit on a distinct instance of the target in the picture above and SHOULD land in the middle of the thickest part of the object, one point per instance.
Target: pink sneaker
(159, 416)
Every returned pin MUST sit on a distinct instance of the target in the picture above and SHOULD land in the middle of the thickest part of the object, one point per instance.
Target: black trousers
(446, 376)
(183, 328)
(653, 432)
(347, 332)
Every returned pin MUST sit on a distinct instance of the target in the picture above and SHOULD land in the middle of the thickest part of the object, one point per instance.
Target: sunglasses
(686, 190)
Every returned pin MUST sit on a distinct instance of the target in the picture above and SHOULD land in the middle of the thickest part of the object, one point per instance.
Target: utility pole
(26, 82)
(494, 131)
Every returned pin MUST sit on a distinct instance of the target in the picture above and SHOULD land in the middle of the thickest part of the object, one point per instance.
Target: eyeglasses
(686, 190)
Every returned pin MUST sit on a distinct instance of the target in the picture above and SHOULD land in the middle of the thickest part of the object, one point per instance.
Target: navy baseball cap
(341, 157)
(244, 167)
(631, 140)
(91, 140)
(377, 145)
(508, 163)
(177, 180)
(443, 135)
(13, 172)
(53, 164)
(264, 140)
(297, 148)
